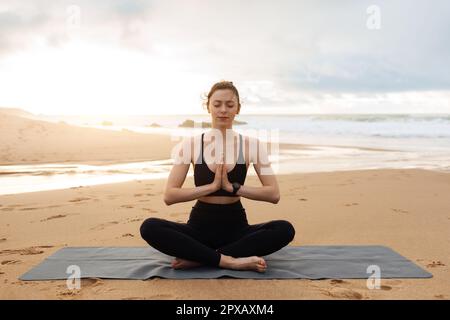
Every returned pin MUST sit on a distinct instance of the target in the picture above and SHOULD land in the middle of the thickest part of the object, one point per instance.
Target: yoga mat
(304, 262)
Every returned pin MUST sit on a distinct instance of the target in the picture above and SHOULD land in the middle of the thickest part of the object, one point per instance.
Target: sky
(85, 57)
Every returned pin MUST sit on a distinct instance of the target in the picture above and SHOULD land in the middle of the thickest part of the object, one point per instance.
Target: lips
(222, 118)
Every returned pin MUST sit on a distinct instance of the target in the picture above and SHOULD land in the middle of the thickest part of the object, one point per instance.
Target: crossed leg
(187, 244)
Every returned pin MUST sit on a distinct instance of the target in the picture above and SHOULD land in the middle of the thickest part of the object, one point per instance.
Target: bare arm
(174, 192)
(269, 191)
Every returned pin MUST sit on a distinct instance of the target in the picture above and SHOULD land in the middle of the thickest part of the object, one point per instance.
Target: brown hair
(221, 85)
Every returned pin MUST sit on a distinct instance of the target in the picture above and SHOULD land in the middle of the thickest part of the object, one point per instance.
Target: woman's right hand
(217, 183)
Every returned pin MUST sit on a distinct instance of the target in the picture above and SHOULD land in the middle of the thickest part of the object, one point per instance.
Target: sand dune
(24, 140)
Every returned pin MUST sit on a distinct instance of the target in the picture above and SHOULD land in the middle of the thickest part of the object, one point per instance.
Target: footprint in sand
(54, 217)
(385, 288)
(8, 262)
(68, 293)
(85, 283)
(127, 235)
(127, 206)
(26, 251)
(138, 194)
(399, 210)
(28, 209)
(79, 199)
(3, 239)
(7, 209)
(104, 225)
(440, 296)
(134, 220)
(53, 206)
(91, 282)
(149, 210)
(341, 293)
(435, 264)
(303, 199)
(338, 281)
(351, 204)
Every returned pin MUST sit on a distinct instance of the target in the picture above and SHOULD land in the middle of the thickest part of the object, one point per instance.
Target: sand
(29, 141)
(407, 210)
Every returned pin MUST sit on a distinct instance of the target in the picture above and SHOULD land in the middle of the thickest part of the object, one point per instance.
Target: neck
(223, 131)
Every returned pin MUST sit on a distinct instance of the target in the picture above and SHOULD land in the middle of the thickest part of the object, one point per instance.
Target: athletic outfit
(214, 229)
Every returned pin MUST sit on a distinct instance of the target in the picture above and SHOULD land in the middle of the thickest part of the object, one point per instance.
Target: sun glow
(82, 78)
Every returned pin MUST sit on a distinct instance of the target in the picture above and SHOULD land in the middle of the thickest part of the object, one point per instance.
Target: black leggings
(214, 229)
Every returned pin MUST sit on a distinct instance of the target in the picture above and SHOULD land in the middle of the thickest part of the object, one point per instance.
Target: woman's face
(223, 106)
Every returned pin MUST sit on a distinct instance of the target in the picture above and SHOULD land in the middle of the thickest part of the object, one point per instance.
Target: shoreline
(279, 175)
(100, 161)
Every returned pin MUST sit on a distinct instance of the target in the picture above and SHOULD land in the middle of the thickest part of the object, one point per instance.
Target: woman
(217, 232)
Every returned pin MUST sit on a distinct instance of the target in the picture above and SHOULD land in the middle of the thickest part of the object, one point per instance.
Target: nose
(223, 109)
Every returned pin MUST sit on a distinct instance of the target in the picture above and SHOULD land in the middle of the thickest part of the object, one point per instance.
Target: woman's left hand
(226, 185)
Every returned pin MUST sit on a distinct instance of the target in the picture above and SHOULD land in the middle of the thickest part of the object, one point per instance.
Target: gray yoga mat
(304, 262)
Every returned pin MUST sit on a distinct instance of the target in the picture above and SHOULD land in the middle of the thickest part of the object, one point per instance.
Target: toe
(261, 269)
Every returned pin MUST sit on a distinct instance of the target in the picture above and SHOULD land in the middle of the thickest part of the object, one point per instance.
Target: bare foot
(249, 263)
(179, 263)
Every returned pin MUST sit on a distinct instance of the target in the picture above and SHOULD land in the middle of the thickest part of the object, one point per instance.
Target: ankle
(226, 261)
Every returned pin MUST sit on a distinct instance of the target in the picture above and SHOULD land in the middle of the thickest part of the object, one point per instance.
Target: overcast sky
(150, 57)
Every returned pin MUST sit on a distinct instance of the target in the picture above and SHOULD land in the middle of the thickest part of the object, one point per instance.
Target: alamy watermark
(73, 19)
(374, 19)
(374, 280)
(73, 280)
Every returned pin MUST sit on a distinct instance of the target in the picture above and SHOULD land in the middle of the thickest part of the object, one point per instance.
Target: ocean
(330, 142)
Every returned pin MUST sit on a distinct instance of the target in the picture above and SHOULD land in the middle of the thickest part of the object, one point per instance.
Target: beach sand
(407, 210)
(29, 141)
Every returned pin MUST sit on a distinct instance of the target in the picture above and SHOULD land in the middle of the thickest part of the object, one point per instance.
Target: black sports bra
(203, 175)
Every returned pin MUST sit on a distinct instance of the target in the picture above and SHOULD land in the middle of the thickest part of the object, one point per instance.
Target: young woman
(217, 232)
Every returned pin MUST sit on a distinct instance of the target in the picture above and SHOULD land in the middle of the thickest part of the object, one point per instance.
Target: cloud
(275, 50)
